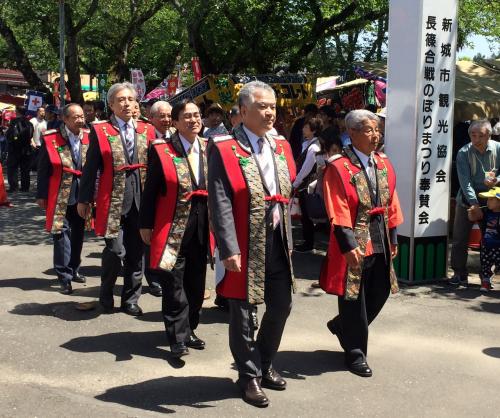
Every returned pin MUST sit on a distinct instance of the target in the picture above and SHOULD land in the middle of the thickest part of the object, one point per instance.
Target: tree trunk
(74, 84)
(18, 55)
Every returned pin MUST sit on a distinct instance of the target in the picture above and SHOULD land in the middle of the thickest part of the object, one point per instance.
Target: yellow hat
(494, 192)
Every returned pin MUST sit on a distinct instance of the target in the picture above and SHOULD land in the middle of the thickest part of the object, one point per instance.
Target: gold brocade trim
(257, 220)
(286, 190)
(64, 188)
(256, 229)
(362, 224)
(181, 214)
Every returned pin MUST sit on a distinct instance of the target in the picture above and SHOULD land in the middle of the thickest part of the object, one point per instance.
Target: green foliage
(229, 36)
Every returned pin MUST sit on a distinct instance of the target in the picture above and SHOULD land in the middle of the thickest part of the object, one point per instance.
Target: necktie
(193, 161)
(76, 150)
(129, 140)
(371, 173)
(267, 167)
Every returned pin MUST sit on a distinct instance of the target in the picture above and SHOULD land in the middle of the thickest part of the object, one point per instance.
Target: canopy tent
(477, 88)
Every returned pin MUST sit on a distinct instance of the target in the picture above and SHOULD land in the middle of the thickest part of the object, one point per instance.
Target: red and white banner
(195, 63)
(138, 82)
(173, 82)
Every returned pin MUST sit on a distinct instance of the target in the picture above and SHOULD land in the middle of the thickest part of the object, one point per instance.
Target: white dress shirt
(309, 161)
(370, 169)
(74, 141)
(196, 151)
(267, 156)
(127, 128)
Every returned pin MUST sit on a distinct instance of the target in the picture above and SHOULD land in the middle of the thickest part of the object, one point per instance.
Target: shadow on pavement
(62, 310)
(492, 352)
(123, 345)
(159, 395)
(52, 285)
(87, 271)
(489, 307)
(299, 364)
(29, 283)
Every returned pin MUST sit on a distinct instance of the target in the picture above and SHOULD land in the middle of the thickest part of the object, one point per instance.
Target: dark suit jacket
(220, 197)
(44, 171)
(197, 225)
(93, 165)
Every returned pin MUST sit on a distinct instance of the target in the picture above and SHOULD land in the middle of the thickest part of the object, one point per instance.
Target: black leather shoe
(253, 393)
(179, 349)
(273, 380)
(131, 309)
(255, 318)
(65, 288)
(78, 278)
(361, 369)
(155, 290)
(194, 342)
(221, 302)
(334, 329)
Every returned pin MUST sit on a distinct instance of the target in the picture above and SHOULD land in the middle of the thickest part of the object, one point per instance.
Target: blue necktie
(129, 140)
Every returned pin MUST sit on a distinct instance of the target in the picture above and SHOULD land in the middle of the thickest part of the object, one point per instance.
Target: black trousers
(152, 276)
(251, 356)
(356, 315)
(128, 249)
(183, 289)
(307, 224)
(68, 246)
(18, 160)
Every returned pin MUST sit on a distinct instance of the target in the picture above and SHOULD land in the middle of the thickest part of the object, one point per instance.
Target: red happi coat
(237, 158)
(112, 176)
(63, 170)
(348, 204)
(173, 208)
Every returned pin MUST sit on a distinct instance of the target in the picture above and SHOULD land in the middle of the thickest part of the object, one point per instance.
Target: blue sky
(480, 46)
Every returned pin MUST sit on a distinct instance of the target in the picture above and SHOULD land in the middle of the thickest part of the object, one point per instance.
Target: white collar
(72, 136)
(121, 122)
(254, 139)
(187, 145)
(362, 157)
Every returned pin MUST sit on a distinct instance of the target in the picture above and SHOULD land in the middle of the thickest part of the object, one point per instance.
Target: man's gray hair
(246, 94)
(115, 88)
(480, 123)
(155, 108)
(66, 109)
(355, 118)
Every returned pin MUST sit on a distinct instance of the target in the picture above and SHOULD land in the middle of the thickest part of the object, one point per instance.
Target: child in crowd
(490, 244)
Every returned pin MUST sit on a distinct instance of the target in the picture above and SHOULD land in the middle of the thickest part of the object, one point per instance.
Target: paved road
(435, 351)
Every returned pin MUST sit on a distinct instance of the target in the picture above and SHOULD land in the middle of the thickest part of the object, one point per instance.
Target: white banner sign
(138, 82)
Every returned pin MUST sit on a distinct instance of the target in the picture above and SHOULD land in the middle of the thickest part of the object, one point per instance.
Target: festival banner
(195, 63)
(138, 82)
(172, 85)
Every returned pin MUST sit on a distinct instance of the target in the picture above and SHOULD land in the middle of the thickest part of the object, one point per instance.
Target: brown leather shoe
(273, 380)
(253, 393)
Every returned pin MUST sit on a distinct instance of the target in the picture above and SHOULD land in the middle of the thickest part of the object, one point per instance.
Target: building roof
(12, 78)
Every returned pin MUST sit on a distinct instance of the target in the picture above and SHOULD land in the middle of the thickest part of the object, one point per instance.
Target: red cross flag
(33, 101)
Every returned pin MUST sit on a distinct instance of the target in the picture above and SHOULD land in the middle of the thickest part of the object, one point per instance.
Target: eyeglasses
(370, 131)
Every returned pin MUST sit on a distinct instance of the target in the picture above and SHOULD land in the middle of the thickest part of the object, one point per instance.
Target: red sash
(103, 201)
(165, 205)
(234, 285)
(334, 268)
(52, 141)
